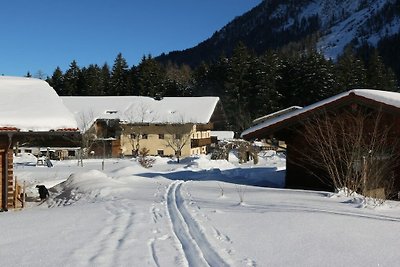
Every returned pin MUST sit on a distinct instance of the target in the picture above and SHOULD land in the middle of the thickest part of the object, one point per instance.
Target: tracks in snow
(196, 248)
(105, 248)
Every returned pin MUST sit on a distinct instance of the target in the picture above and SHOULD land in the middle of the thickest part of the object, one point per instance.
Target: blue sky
(41, 35)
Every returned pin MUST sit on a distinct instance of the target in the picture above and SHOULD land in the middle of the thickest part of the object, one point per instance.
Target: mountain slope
(329, 25)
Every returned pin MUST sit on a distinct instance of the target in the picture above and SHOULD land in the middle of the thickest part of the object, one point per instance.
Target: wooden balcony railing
(201, 142)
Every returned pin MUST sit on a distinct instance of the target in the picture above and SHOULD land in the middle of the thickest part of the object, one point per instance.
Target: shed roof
(275, 114)
(31, 105)
(384, 97)
(141, 109)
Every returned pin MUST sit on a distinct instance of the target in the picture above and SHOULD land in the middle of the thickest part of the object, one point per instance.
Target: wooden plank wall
(1, 177)
(10, 178)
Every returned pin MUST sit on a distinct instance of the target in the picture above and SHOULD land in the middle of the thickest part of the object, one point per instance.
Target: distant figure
(48, 163)
(43, 192)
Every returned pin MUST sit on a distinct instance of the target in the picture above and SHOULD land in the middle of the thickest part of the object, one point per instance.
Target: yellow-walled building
(124, 125)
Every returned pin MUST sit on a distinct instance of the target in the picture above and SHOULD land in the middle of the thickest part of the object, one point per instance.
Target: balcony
(204, 127)
(201, 142)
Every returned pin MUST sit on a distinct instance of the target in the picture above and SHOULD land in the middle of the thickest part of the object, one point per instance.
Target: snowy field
(196, 213)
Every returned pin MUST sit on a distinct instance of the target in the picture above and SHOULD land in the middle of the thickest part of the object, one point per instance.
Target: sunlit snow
(196, 213)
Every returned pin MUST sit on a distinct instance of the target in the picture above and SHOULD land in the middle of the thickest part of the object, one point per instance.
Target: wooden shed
(290, 127)
(30, 110)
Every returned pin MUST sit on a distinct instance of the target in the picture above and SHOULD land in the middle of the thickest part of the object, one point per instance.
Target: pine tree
(150, 78)
(315, 79)
(119, 76)
(178, 80)
(350, 72)
(263, 77)
(388, 48)
(57, 81)
(71, 78)
(105, 80)
(93, 80)
(378, 76)
(287, 85)
(236, 95)
(132, 81)
(306, 79)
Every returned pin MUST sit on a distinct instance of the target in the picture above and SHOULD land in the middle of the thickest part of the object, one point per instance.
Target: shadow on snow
(265, 177)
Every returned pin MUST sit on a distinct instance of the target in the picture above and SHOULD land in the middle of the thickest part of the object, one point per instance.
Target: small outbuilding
(380, 116)
(30, 110)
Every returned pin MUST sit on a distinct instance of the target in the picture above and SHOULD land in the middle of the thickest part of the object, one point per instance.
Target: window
(160, 152)
(144, 136)
(160, 136)
(71, 153)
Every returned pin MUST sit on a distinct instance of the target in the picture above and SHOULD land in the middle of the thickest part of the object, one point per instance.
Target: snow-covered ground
(195, 213)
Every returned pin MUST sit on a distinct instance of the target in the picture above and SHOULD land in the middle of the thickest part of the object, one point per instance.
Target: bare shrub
(221, 189)
(144, 158)
(222, 150)
(178, 137)
(356, 148)
(240, 191)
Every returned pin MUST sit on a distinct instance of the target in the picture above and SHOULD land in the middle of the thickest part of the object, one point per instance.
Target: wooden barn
(379, 113)
(30, 111)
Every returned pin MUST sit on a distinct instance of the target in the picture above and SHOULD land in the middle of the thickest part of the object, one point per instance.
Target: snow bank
(90, 185)
(203, 162)
(25, 159)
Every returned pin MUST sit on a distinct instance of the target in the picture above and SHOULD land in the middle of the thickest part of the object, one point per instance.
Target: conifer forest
(249, 85)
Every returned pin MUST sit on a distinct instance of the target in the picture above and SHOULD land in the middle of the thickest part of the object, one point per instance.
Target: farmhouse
(123, 125)
(30, 111)
(378, 114)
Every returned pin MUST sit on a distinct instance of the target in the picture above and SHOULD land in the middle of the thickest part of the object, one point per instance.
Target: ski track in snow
(298, 208)
(196, 249)
(153, 252)
(105, 248)
(157, 217)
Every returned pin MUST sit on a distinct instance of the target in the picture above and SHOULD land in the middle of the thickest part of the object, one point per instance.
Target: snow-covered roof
(385, 97)
(28, 104)
(275, 114)
(141, 109)
(223, 135)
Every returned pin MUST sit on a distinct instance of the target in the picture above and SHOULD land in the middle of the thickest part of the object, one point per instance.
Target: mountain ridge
(274, 24)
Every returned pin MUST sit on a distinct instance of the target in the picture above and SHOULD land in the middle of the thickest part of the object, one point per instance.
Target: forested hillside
(249, 85)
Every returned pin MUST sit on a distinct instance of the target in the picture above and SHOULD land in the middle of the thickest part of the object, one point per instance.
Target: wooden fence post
(23, 195)
(15, 201)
